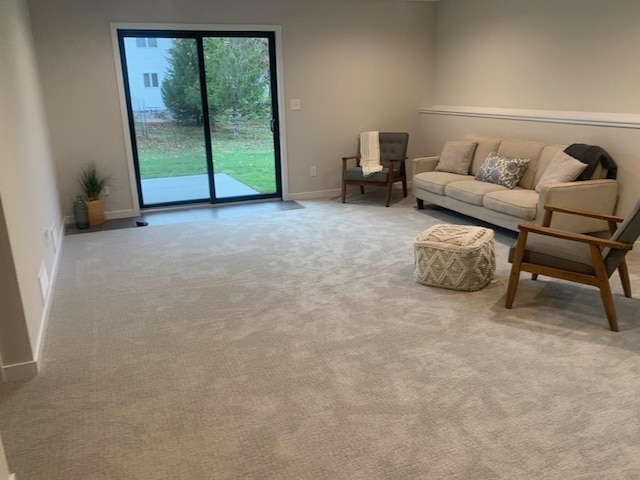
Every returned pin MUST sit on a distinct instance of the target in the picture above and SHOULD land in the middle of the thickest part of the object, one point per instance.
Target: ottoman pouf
(458, 257)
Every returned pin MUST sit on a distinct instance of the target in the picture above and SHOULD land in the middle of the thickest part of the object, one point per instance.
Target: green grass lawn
(170, 150)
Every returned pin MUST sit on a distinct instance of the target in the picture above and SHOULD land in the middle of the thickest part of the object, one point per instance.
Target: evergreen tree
(237, 78)
(237, 74)
(181, 87)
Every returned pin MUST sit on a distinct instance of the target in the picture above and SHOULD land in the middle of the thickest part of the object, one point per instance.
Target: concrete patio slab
(191, 187)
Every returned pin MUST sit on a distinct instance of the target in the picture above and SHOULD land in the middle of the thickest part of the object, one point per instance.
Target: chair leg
(514, 279)
(362, 189)
(389, 188)
(534, 276)
(609, 306)
(344, 192)
(420, 203)
(623, 271)
(514, 276)
(404, 186)
(604, 287)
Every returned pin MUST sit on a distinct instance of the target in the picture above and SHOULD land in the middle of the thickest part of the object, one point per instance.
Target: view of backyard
(169, 90)
(167, 149)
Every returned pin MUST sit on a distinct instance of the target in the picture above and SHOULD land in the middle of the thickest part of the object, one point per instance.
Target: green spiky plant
(92, 183)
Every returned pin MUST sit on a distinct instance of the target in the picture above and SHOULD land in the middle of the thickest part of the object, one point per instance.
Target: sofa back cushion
(523, 149)
(486, 145)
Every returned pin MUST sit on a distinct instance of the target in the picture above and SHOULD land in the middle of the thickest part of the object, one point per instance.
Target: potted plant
(93, 185)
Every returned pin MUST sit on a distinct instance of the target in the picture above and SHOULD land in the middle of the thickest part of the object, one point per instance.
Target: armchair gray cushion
(556, 253)
(355, 173)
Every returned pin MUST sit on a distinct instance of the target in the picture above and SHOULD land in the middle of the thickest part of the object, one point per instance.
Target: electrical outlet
(106, 191)
(312, 171)
(295, 104)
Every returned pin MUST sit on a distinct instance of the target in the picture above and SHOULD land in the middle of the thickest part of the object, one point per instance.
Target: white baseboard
(47, 304)
(313, 195)
(112, 215)
(19, 371)
(320, 194)
(129, 213)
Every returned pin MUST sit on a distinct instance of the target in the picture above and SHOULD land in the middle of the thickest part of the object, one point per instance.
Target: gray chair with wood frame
(576, 257)
(393, 151)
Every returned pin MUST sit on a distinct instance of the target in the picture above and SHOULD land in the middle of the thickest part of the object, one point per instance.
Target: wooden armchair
(576, 257)
(393, 151)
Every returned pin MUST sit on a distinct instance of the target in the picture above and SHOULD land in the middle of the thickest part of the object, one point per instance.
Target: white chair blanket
(370, 153)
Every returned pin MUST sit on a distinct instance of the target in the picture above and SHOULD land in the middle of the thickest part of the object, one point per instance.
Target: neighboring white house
(147, 64)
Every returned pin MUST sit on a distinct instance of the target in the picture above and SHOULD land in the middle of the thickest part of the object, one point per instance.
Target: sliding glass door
(202, 115)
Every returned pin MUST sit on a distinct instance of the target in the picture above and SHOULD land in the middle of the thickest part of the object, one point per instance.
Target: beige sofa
(499, 205)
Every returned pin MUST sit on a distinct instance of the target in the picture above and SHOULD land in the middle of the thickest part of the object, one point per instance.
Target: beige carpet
(296, 345)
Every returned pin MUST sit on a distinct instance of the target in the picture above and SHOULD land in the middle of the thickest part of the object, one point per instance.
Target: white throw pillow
(562, 168)
(456, 157)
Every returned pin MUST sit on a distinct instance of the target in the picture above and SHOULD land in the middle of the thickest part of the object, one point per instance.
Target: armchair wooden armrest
(611, 220)
(346, 159)
(577, 237)
(583, 213)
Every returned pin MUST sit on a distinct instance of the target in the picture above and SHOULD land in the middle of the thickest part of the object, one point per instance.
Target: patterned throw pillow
(502, 170)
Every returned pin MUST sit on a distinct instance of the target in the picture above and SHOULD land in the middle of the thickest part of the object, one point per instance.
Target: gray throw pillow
(502, 170)
(456, 157)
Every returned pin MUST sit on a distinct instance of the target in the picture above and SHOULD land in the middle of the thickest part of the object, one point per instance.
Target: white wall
(543, 54)
(27, 179)
(569, 55)
(354, 64)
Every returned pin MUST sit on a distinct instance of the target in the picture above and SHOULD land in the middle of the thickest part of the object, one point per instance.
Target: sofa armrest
(425, 164)
(598, 196)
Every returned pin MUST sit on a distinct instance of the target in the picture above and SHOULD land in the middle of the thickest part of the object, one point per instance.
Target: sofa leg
(420, 203)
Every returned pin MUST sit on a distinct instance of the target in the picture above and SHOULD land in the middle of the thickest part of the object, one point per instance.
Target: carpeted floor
(296, 345)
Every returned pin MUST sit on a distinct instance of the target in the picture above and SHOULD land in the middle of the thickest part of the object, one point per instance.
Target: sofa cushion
(486, 145)
(519, 202)
(502, 170)
(456, 157)
(563, 168)
(471, 191)
(435, 182)
(523, 149)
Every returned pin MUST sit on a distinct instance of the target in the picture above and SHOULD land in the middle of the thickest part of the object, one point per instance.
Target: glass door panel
(164, 87)
(239, 98)
(203, 115)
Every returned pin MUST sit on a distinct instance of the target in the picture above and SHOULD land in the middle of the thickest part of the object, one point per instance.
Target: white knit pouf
(457, 257)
